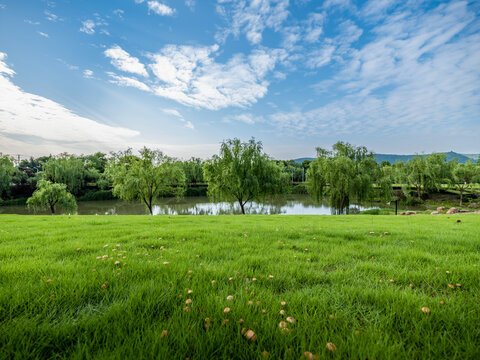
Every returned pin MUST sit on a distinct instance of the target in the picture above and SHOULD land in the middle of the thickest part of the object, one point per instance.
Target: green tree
(425, 174)
(345, 173)
(243, 173)
(193, 169)
(464, 176)
(7, 170)
(48, 195)
(66, 169)
(145, 178)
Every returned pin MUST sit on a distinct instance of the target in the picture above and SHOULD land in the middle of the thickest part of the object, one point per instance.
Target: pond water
(289, 205)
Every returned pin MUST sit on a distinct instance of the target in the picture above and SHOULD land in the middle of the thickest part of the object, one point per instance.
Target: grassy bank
(345, 280)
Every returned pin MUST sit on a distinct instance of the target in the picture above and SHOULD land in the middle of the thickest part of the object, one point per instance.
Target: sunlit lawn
(173, 287)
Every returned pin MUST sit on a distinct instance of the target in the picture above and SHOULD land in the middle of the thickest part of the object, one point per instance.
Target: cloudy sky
(183, 75)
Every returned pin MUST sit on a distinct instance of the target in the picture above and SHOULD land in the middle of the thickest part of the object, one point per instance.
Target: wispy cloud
(31, 22)
(420, 72)
(43, 34)
(88, 27)
(87, 74)
(160, 9)
(119, 13)
(128, 82)
(124, 62)
(51, 16)
(176, 114)
(251, 17)
(190, 4)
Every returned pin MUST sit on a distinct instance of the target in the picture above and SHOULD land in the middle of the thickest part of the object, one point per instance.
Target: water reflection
(290, 205)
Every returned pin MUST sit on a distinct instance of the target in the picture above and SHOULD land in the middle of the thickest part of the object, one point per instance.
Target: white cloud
(87, 73)
(160, 9)
(42, 34)
(176, 113)
(128, 82)
(88, 27)
(51, 16)
(420, 73)
(251, 17)
(42, 125)
(119, 12)
(31, 22)
(249, 119)
(189, 125)
(190, 4)
(320, 57)
(173, 112)
(124, 62)
(314, 27)
(190, 76)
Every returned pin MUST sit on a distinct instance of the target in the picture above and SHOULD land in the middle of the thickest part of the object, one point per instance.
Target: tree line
(240, 173)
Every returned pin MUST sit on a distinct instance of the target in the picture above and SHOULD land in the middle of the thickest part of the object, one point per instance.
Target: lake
(289, 205)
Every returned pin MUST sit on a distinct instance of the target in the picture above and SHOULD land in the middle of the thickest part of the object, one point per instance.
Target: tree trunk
(52, 209)
(149, 205)
(461, 196)
(242, 206)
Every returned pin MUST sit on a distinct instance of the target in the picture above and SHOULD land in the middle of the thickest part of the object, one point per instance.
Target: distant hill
(300, 160)
(391, 158)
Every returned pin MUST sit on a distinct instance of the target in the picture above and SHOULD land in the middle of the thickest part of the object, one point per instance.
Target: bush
(371, 212)
(299, 189)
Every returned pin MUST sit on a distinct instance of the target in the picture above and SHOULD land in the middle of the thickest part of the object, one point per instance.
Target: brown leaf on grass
(291, 320)
(250, 335)
(207, 323)
(426, 310)
(331, 347)
(188, 301)
(226, 310)
(309, 356)
(164, 333)
(451, 286)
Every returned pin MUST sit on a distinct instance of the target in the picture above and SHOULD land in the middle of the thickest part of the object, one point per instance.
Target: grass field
(358, 282)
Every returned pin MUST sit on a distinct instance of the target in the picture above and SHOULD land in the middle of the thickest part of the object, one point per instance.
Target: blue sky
(181, 76)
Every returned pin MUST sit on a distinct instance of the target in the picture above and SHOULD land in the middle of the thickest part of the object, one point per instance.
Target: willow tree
(464, 176)
(66, 169)
(344, 174)
(243, 173)
(6, 173)
(48, 195)
(146, 177)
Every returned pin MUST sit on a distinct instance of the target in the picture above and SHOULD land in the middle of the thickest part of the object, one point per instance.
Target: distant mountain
(391, 158)
(300, 160)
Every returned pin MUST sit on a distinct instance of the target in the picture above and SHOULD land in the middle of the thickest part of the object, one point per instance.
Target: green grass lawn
(359, 282)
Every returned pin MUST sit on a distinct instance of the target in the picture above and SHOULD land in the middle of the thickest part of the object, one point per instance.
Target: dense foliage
(346, 173)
